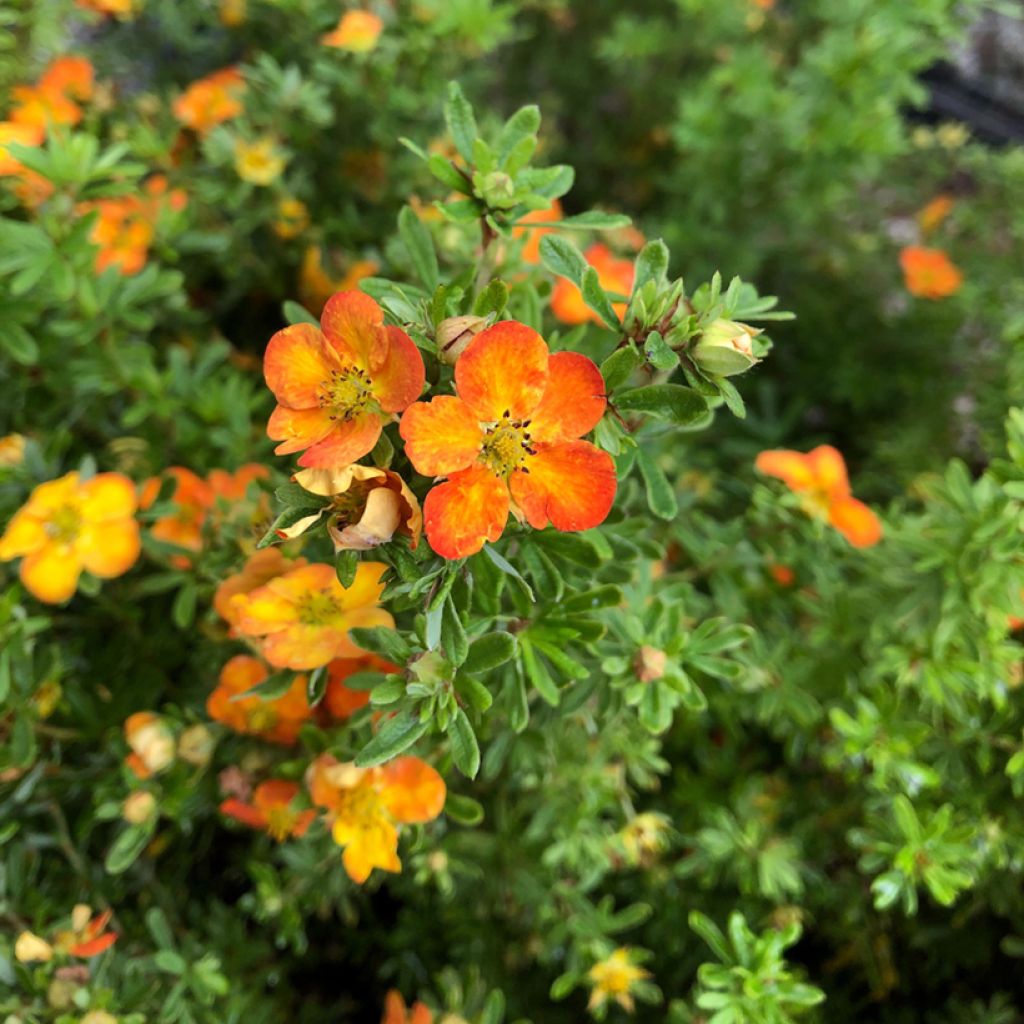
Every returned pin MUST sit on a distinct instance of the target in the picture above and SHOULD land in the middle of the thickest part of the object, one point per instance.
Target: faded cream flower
(30, 948)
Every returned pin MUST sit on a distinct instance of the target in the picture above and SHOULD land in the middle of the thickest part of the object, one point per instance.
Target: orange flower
(370, 506)
(317, 285)
(615, 275)
(292, 219)
(184, 528)
(271, 810)
(152, 744)
(366, 806)
(935, 212)
(301, 619)
(819, 477)
(261, 568)
(22, 135)
(112, 8)
(395, 1011)
(235, 486)
(276, 721)
(509, 441)
(929, 273)
(71, 77)
(340, 701)
(782, 574)
(89, 936)
(337, 386)
(357, 32)
(211, 101)
(531, 250)
(68, 525)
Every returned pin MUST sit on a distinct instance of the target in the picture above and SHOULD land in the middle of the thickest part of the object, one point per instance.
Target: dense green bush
(733, 748)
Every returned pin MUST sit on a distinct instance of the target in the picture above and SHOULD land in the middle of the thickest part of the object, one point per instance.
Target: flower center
(280, 821)
(360, 807)
(317, 608)
(506, 445)
(347, 393)
(261, 717)
(349, 506)
(65, 524)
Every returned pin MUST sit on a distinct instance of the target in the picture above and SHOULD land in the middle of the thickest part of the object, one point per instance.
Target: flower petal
(465, 512)
(366, 588)
(348, 441)
(441, 436)
(829, 470)
(856, 522)
(296, 364)
(243, 812)
(298, 428)
(400, 378)
(411, 790)
(109, 549)
(792, 468)
(108, 496)
(574, 400)
(299, 646)
(571, 485)
(353, 324)
(374, 845)
(24, 534)
(51, 574)
(504, 369)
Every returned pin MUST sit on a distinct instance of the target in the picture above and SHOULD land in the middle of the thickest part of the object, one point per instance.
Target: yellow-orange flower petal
(441, 436)
(856, 522)
(465, 512)
(574, 400)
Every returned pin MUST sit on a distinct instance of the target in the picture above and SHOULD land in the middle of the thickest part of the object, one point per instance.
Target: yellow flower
(357, 32)
(138, 807)
(233, 12)
(292, 218)
(29, 948)
(259, 162)
(952, 135)
(645, 836)
(67, 526)
(614, 978)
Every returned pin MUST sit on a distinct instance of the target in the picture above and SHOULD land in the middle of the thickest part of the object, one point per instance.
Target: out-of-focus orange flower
(192, 498)
(614, 274)
(782, 574)
(271, 810)
(366, 806)
(233, 12)
(260, 162)
(292, 219)
(395, 1011)
(301, 619)
(819, 477)
(88, 936)
(337, 386)
(510, 441)
(356, 32)
(151, 743)
(369, 507)
(261, 568)
(929, 273)
(22, 135)
(235, 486)
(68, 525)
(317, 285)
(69, 76)
(340, 701)
(277, 721)
(122, 9)
(934, 213)
(531, 250)
(211, 101)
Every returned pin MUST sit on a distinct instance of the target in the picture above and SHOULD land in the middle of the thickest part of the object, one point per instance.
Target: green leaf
(275, 686)
(619, 366)
(651, 264)
(595, 297)
(489, 651)
(465, 749)
(539, 676)
(666, 401)
(458, 115)
(563, 258)
(453, 634)
(419, 245)
(659, 354)
(492, 300)
(316, 685)
(388, 643)
(445, 173)
(296, 314)
(18, 343)
(476, 695)
(183, 612)
(522, 125)
(505, 566)
(156, 922)
(396, 734)
(127, 847)
(346, 564)
(711, 934)
(463, 809)
(594, 220)
(661, 498)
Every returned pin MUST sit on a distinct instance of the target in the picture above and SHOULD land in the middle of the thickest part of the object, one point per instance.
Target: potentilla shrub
(405, 619)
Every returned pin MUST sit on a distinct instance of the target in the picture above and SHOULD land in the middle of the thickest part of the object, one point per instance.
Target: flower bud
(150, 739)
(29, 948)
(725, 348)
(195, 745)
(455, 333)
(138, 807)
(60, 995)
(649, 664)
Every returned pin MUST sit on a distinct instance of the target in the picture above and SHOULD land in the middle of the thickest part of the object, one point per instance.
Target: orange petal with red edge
(298, 428)
(441, 436)
(504, 369)
(297, 363)
(353, 324)
(348, 441)
(465, 512)
(412, 791)
(856, 522)
(399, 380)
(571, 485)
(574, 399)
(792, 468)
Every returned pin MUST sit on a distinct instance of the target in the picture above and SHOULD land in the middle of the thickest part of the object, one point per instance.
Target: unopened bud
(138, 808)
(455, 333)
(649, 664)
(150, 739)
(725, 348)
(195, 745)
